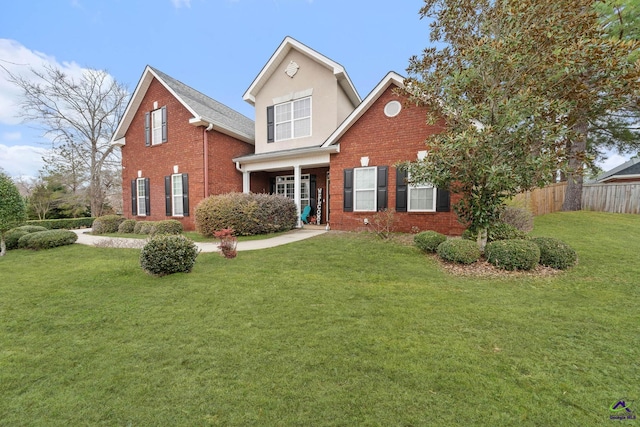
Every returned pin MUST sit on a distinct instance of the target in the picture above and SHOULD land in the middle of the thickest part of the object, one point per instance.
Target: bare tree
(80, 115)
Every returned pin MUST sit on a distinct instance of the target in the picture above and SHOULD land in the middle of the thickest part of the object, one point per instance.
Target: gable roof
(391, 78)
(206, 111)
(630, 169)
(283, 50)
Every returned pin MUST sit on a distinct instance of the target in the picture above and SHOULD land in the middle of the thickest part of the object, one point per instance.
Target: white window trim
(374, 189)
(411, 187)
(141, 199)
(173, 195)
(156, 114)
(292, 120)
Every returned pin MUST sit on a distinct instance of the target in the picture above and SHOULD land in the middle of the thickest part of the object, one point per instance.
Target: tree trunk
(575, 178)
(3, 247)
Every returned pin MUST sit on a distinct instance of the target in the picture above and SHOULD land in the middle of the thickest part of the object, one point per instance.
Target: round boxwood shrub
(167, 254)
(459, 250)
(127, 226)
(555, 253)
(47, 239)
(519, 218)
(169, 226)
(246, 213)
(144, 227)
(12, 236)
(107, 224)
(513, 254)
(428, 241)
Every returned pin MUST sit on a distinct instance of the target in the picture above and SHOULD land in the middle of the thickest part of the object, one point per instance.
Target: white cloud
(12, 136)
(181, 3)
(18, 60)
(612, 161)
(21, 160)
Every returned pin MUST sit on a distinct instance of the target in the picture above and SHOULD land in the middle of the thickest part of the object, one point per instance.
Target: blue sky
(214, 46)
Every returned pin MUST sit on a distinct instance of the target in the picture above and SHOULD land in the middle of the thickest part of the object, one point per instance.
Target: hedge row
(246, 213)
(65, 223)
(47, 239)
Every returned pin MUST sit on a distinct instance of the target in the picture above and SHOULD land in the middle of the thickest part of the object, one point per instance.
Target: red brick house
(314, 140)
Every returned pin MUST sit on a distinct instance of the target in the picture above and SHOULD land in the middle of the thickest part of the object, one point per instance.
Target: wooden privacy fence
(618, 198)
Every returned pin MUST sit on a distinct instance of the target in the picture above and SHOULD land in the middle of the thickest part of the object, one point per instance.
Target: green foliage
(520, 218)
(497, 231)
(107, 224)
(13, 236)
(47, 239)
(144, 227)
(246, 214)
(169, 226)
(428, 241)
(513, 254)
(555, 253)
(12, 208)
(513, 89)
(127, 226)
(167, 254)
(459, 250)
(64, 223)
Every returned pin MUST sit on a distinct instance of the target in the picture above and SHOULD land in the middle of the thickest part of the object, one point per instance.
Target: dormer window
(291, 120)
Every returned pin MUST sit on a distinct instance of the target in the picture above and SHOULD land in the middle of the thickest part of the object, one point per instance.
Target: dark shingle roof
(208, 108)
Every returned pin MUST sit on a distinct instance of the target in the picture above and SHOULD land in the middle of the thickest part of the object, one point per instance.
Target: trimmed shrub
(144, 227)
(107, 224)
(168, 226)
(498, 231)
(555, 253)
(47, 239)
(246, 214)
(12, 236)
(167, 254)
(513, 254)
(459, 250)
(428, 241)
(127, 226)
(519, 218)
(63, 223)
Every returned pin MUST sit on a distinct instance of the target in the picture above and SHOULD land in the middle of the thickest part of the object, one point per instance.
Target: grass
(341, 329)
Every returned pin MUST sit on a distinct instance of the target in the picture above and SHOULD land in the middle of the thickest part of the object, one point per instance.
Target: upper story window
(155, 126)
(290, 119)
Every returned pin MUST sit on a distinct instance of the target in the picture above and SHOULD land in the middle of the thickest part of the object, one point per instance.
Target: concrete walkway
(85, 238)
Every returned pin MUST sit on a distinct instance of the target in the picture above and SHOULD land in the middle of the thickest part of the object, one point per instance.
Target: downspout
(206, 159)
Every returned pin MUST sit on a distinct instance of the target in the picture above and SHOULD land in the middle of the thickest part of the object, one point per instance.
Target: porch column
(297, 188)
(246, 182)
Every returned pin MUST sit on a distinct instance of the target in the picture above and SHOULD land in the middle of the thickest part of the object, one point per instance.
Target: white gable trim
(285, 47)
(388, 80)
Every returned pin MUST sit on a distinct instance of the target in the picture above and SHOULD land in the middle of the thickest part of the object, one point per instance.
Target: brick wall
(185, 149)
(386, 141)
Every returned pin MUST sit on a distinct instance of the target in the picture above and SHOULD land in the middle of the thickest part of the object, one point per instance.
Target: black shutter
(348, 191)
(164, 124)
(401, 190)
(185, 194)
(147, 198)
(313, 189)
(443, 201)
(272, 185)
(147, 129)
(134, 198)
(167, 195)
(271, 125)
(382, 172)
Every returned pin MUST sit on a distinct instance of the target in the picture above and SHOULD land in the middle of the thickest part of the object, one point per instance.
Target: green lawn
(341, 329)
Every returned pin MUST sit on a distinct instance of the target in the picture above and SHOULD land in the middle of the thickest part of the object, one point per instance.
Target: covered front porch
(300, 174)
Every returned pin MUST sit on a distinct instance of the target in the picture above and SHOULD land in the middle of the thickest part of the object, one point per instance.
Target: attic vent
(292, 69)
(392, 108)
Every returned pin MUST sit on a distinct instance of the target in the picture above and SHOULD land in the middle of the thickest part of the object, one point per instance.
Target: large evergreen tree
(12, 208)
